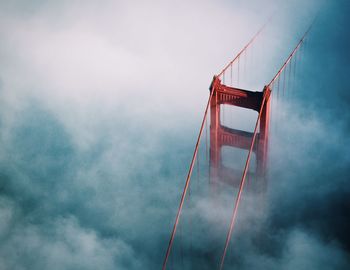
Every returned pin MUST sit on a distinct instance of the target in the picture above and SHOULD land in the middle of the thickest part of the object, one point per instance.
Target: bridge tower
(221, 135)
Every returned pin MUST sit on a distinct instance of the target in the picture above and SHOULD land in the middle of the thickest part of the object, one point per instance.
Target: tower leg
(262, 153)
(215, 151)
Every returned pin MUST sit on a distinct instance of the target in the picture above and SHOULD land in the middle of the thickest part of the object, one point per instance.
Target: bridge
(224, 92)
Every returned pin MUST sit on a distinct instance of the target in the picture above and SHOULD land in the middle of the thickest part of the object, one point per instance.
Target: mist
(100, 105)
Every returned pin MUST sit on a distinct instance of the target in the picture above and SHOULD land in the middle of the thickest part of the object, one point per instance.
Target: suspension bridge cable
(246, 166)
(290, 56)
(188, 178)
(245, 47)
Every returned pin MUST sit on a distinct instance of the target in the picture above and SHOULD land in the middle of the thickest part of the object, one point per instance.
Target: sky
(100, 106)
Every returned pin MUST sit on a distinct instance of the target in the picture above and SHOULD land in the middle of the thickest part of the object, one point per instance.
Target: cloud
(60, 243)
(99, 106)
(303, 251)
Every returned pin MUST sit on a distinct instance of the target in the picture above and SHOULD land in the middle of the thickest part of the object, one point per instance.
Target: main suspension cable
(245, 47)
(266, 95)
(290, 56)
(241, 186)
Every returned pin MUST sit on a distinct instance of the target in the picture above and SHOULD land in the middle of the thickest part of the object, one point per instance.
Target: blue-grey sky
(100, 103)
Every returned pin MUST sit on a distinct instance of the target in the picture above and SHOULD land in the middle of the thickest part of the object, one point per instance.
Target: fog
(100, 104)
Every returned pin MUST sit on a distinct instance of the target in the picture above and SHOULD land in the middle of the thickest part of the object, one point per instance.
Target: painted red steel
(221, 135)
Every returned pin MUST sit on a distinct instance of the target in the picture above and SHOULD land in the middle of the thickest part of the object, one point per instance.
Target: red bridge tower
(221, 135)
